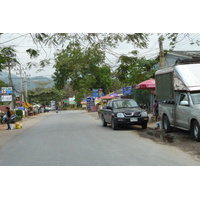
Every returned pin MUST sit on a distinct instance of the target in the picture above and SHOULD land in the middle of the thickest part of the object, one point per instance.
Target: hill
(32, 82)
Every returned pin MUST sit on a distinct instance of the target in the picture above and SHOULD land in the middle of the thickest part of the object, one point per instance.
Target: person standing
(155, 107)
(56, 108)
(8, 115)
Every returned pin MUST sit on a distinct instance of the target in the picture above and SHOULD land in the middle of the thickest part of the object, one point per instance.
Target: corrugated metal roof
(190, 54)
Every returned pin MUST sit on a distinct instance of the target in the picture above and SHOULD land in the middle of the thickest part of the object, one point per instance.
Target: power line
(14, 38)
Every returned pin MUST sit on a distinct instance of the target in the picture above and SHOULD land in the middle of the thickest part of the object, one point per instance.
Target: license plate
(133, 119)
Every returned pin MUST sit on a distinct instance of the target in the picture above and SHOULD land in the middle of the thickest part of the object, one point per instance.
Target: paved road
(74, 138)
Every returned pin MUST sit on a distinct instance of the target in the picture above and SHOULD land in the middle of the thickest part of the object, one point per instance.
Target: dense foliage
(44, 96)
(19, 114)
(7, 57)
(133, 70)
(83, 69)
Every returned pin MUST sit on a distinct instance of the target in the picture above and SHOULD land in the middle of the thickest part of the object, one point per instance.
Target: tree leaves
(134, 70)
(83, 68)
(7, 57)
(32, 53)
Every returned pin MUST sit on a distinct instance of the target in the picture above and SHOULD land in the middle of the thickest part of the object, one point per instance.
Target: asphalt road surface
(74, 138)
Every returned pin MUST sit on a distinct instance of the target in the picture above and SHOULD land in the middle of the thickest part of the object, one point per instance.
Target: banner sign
(6, 97)
(95, 90)
(101, 94)
(17, 99)
(6, 90)
(88, 99)
(66, 101)
(127, 90)
(95, 94)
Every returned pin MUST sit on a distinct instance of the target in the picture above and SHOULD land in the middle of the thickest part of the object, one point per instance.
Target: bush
(35, 112)
(19, 113)
(18, 118)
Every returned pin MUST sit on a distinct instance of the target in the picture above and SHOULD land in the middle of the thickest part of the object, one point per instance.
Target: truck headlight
(144, 114)
(120, 114)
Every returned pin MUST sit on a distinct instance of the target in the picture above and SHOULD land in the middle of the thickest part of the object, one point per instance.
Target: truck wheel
(144, 126)
(114, 124)
(166, 124)
(104, 123)
(196, 131)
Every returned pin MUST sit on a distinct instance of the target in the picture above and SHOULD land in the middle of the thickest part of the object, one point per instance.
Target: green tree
(3, 84)
(134, 70)
(116, 83)
(40, 85)
(44, 96)
(7, 57)
(84, 69)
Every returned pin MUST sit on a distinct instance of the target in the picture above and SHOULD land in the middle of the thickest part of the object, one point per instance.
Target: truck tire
(104, 123)
(195, 130)
(166, 124)
(144, 126)
(114, 124)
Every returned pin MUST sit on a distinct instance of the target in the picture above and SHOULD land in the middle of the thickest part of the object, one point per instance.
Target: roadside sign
(17, 99)
(6, 90)
(26, 105)
(127, 90)
(95, 90)
(72, 100)
(6, 97)
(95, 95)
(65, 101)
(3, 91)
(101, 94)
(88, 99)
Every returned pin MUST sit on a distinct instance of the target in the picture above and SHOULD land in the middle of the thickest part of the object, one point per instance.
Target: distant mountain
(31, 81)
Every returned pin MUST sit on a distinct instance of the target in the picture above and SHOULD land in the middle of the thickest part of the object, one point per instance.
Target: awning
(146, 85)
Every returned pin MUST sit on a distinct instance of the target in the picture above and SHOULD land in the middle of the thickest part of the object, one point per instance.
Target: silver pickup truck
(178, 92)
(183, 113)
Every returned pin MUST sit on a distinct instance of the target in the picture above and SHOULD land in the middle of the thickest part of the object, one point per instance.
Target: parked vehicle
(47, 109)
(12, 119)
(178, 91)
(52, 105)
(123, 112)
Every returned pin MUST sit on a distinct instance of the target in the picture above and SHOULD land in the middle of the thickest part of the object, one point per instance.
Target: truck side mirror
(184, 103)
(109, 107)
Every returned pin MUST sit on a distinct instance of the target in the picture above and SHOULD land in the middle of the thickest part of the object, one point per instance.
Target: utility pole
(26, 86)
(162, 56)
(9, 75)
(21, 83)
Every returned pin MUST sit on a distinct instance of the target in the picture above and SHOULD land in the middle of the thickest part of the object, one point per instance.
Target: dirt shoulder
(177, 138)
(7, 135)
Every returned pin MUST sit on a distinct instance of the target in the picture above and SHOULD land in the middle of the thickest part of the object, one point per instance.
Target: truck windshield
(195, 97)
(125, 104)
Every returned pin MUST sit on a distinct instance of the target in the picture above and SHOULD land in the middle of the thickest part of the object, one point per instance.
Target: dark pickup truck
(123, 112)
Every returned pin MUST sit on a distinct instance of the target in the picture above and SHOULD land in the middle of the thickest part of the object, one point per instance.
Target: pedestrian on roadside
(155, 108)
(8, 115)
(98, 109)
(56, 108)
